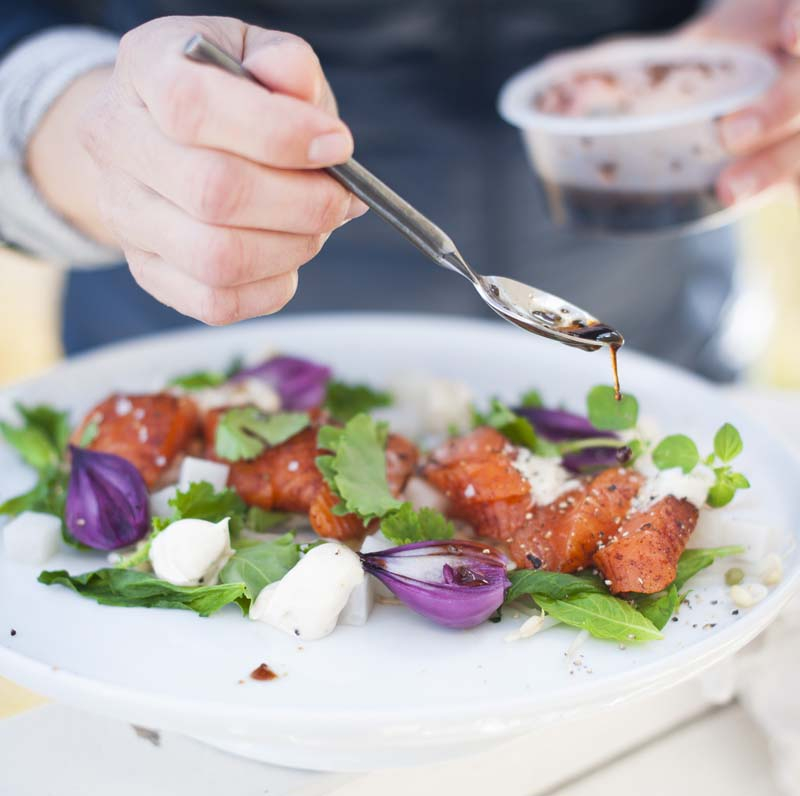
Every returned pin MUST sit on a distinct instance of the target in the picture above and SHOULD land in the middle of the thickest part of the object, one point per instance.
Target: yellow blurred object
(30, 323)
(16, 699)
(770, 241)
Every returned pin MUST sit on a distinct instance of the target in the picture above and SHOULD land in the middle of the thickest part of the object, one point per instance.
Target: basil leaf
(198, 380)
(660, 607)
(356, 470)
(602, 615)
(676, 450)
(126, 587)
(260, 564)
(406, 525)
(244, 433)
(345, 401)
(260, 521)
(697, 559)
(555, 585)
(606, 413)
(728, 443)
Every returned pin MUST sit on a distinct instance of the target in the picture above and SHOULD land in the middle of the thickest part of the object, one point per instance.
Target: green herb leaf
(553, 585)
(32, 445)
(609, 414)
(201, 502)
(260, 564)
(602, 615)
(697, 559)
(658, 608)
(126, 587)
(345, 401)
(89, 434)
(516, 429)
(198, 380)
(243, 433)
(52, 423)
(728, 443)
(356, 470)
(726, 486)
(260, 521)
(406, 525)
(532, 398)
(676, 450)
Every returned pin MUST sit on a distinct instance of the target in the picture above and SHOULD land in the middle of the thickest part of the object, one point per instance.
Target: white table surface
(673, 742)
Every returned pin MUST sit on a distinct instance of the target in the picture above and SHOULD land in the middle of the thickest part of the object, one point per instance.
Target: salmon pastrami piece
(476, 474)
(285, 477)
(643, 555)
(152, 432)
(566, 534)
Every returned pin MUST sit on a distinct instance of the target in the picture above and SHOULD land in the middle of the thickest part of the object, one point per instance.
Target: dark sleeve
(23, 18)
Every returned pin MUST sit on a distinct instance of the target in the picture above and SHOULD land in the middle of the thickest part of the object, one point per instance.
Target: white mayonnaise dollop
(548, 479)
(191, 552)
(692, 486)
(307, 600)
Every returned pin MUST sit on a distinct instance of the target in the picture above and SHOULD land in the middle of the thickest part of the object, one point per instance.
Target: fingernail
(790, 33)
(740, 187)
(357, 208)
(329, 148)
(741, 131)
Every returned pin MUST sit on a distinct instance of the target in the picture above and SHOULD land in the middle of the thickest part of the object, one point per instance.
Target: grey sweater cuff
(32, 76)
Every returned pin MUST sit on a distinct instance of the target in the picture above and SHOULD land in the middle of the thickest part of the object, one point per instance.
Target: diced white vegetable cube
(159, 501)
(32, 537)
(359, 605)
(374, 544)
(422, 495)
(194, 470)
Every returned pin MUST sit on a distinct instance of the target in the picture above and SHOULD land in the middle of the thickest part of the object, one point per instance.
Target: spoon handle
(407, 220)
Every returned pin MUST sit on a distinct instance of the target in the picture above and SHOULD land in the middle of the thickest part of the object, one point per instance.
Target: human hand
(765, 136)
(209, 183)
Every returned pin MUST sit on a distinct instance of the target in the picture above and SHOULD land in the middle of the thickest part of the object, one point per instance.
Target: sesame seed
(293, 466)
(138, 414)
(161, 461)
(144, 434)
(607, 582)
(469, 491)
(123, 406)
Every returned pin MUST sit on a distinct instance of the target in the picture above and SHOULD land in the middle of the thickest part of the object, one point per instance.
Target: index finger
(201, 105)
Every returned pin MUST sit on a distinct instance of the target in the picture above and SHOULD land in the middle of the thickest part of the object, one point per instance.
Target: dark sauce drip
(262, 672)
(602, 334)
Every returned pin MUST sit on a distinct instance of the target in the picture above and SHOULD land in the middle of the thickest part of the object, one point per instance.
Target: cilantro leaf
(201, 502)
(406, 525)
(608, 414)
(728, 443)
(344, 401)
(260, 564)
(356, 470)
(260, 521)
(532, 398)
(126, 587)
(245, 432)
(676, 450)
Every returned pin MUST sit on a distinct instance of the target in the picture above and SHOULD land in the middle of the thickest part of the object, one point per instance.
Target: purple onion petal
(107, 505)
(457, 584)
(300, 383)
(590, 459)
(557, 425)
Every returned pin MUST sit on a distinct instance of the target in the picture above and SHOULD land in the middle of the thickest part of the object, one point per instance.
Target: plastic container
(623, 137)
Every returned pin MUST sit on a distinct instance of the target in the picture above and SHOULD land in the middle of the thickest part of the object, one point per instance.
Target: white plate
(398, 690)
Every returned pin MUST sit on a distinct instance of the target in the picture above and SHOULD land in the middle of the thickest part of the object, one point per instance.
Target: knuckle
(218, 306)
(328, 208)
(313, 246)
(219, 258)
(221, 192)
(282, 291)
(183, 104)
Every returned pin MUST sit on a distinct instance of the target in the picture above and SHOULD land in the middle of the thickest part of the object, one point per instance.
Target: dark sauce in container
(262, 672)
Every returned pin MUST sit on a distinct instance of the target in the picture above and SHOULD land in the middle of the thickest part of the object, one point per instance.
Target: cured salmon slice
(643, 555)
(152, 432)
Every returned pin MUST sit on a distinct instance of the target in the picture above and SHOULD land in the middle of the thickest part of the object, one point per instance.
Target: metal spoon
(532, 309)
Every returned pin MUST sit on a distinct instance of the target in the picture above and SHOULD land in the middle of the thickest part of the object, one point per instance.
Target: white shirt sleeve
(32, 76)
